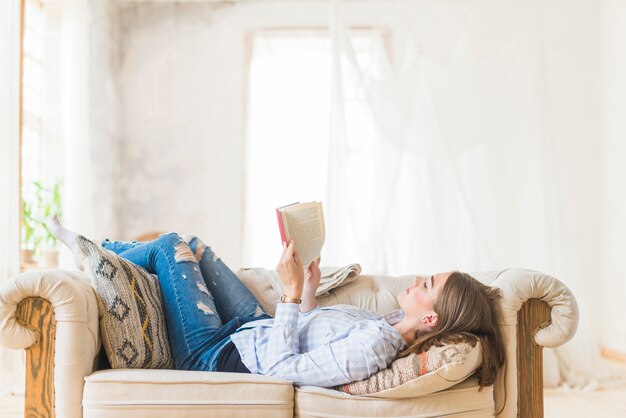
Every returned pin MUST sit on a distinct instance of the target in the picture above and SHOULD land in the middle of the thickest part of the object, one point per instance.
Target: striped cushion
(132, 321)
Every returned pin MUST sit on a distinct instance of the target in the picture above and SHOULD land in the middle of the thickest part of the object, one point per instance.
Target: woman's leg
(232, 297)
(192, 319)
(194, 327)
(119, 247)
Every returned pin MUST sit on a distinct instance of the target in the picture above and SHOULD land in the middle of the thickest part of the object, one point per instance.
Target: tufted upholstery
(132, 393)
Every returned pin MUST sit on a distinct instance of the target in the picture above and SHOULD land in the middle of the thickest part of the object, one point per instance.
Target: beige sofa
(53, 314)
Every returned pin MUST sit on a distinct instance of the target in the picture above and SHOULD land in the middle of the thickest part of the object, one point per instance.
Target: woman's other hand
(291, 272)
(312, 277)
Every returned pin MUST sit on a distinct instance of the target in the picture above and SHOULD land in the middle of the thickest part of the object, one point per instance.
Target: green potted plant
(37, 209)
(29, 242)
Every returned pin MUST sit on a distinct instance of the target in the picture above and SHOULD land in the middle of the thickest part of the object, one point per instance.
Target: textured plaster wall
(182, 106)
(105, 116)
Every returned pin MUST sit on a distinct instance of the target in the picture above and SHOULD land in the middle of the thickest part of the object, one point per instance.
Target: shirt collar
(394, 316)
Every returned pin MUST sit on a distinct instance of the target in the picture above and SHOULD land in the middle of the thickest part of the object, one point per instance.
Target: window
(36, 195)
(288, 129)
(32, 93)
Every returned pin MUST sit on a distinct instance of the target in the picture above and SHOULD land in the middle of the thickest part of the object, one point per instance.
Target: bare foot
(68, 238)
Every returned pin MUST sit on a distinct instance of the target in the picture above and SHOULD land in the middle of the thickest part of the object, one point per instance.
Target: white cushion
(165, 393)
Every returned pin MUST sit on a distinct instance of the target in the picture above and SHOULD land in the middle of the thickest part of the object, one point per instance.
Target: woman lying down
(303, 343)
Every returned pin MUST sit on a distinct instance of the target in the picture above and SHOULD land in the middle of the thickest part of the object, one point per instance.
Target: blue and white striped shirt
(324, 347)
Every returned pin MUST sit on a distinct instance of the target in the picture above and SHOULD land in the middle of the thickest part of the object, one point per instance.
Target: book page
(305, 223)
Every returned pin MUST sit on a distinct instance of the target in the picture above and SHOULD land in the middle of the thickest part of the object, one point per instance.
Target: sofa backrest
(375, 293)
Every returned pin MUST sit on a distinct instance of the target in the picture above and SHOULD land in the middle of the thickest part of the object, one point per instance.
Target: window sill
(27, 266)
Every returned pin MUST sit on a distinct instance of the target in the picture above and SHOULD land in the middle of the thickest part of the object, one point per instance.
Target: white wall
(182, 98)
(613, 204)
(105, 115)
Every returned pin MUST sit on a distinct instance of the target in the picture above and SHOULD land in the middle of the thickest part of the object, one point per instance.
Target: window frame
(293, 32)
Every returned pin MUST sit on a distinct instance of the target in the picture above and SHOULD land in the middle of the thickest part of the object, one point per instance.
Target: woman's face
(417, 301)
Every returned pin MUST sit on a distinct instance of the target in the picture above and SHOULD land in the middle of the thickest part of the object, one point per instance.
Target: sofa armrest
(538, 311)
(53, 315)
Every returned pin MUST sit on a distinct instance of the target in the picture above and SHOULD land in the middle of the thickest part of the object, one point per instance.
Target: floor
(606, 404)
(602, 403)
(11, 406)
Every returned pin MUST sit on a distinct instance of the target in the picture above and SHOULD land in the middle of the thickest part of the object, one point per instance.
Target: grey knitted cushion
(132, 321)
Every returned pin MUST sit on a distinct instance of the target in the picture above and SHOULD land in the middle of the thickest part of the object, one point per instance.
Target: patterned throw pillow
(412, 368)
(132, 321)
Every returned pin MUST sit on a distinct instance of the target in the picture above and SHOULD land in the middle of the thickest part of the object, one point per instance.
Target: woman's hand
(291, 272)
(312, 277)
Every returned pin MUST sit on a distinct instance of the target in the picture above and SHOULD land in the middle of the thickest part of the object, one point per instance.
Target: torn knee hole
(183, 252)
(204, 308)
(200, 250)
(202, 287)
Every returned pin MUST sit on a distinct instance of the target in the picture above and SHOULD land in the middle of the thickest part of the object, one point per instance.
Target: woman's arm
(312, 277)
(361, 352)
(291, 272)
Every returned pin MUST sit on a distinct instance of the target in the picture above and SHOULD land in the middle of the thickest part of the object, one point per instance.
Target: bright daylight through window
(288, 131)
(40, 196)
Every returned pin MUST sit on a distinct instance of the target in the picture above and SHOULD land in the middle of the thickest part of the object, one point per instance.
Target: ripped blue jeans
(204, 301)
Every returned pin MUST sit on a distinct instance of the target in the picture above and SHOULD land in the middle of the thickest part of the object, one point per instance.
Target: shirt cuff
(311, 311)
(287, 315)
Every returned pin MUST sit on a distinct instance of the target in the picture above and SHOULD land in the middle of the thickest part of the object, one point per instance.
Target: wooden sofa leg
(38, 315)
(533, 315)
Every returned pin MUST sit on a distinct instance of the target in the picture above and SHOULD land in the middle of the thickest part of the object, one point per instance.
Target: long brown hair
(467, 311)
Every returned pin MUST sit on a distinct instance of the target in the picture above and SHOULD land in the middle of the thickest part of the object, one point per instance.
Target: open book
(305, 223)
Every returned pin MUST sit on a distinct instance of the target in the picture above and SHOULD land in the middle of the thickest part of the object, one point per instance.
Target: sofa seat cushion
(461, 400)
(165, 393)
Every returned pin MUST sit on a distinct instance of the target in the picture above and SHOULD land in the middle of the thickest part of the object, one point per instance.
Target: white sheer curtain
(287, 147)
(75, 60)
(11, 361)
(89, 42)
(468, 168)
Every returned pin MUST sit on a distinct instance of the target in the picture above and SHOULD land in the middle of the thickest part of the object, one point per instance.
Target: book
(303, 222)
